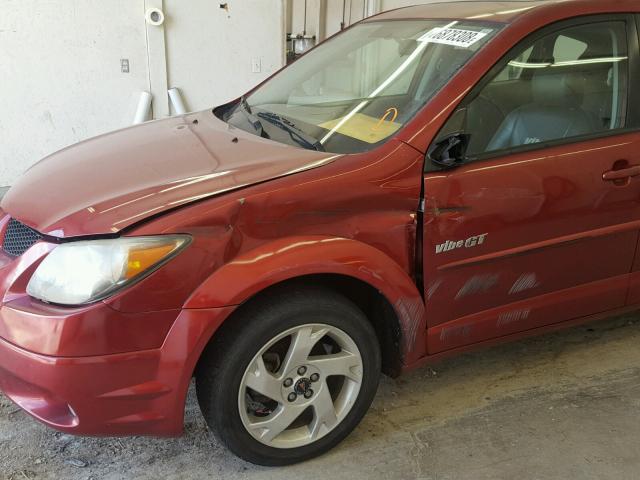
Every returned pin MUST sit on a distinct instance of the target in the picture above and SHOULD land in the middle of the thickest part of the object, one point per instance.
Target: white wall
(332, 12)
(61, 75)
(61, 79)
(211, 51)
(391, 4)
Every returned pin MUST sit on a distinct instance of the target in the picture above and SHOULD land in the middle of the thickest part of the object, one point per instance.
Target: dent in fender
(288, 258)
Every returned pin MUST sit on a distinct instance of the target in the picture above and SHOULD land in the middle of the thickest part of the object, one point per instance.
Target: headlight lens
(82, 272)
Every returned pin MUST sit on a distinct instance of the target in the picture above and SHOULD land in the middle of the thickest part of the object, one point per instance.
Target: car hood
(108, 183)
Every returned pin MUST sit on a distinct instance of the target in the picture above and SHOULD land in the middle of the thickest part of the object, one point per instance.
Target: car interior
(567, 84)
(360, 95)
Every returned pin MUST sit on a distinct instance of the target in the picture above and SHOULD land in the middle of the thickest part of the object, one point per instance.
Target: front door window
(571, 83)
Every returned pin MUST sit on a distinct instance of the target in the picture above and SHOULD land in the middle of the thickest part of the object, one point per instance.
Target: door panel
(633, 297)
(527, 240)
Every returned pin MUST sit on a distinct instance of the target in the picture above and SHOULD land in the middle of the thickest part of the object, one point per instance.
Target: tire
(343, 368)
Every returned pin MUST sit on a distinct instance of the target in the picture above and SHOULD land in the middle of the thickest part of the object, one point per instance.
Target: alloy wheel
(300, 385)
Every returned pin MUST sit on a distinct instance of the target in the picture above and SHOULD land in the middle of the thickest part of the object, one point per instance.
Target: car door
(633, 298)
(539, 224)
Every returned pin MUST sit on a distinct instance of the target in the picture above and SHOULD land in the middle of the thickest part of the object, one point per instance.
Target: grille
(19, 238)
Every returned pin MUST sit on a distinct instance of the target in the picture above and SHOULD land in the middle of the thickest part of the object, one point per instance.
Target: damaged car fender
(293, 257)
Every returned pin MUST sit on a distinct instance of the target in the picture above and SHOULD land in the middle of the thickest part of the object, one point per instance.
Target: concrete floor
(561, 406)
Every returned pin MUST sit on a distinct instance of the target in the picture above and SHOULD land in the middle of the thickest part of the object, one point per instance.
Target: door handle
(623, 173)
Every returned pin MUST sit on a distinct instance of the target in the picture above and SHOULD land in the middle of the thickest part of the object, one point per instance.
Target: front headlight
(77, 273)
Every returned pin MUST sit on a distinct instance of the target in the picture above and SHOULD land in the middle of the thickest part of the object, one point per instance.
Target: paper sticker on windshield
(453, 36)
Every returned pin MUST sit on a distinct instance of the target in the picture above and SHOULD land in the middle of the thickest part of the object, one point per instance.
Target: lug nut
(288, 382)
(314, 377)
(292, 397)
(302, 371)
(308, 394)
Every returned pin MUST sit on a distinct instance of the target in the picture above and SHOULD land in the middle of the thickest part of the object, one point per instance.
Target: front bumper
(135, 393)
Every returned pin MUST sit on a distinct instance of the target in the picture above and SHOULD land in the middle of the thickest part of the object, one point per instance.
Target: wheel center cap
(302, 386)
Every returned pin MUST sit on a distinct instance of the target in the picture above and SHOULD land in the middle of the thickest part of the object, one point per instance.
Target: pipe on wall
(321, 26)
(144, 108)
(372, 7)
(176, 101)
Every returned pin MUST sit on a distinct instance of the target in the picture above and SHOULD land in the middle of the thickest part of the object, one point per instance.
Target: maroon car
(433, 179)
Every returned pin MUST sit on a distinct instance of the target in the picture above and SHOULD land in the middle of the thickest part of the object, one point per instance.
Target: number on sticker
(453, 36)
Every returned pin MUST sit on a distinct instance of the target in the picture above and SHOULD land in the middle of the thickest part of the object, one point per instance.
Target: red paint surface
(568, 237)
(145, 170)
(141, 392)
(561, 243)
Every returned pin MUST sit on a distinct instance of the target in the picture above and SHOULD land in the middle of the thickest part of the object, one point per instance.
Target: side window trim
(632, 116)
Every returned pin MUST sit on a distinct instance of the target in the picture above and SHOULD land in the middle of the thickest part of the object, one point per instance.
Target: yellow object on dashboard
(365, 128)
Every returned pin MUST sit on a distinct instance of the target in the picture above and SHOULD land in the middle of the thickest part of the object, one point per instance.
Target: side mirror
(449, 151)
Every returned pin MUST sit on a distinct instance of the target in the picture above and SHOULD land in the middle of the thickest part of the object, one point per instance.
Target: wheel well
(372, 302)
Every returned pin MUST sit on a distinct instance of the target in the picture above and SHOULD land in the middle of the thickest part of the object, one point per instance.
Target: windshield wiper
(253, 120)
(297, 135)
(245, 105)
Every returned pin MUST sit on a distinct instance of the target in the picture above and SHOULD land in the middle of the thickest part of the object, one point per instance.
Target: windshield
(355, 91)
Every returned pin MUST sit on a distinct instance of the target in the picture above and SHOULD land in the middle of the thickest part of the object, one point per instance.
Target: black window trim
(632, 117)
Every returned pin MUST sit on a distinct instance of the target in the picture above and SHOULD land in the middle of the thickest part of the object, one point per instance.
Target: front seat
(555, 113)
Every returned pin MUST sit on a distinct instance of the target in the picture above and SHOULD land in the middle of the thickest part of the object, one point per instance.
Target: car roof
(497, 11)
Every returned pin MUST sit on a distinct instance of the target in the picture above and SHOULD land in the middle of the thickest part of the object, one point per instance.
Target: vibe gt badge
(449, 245)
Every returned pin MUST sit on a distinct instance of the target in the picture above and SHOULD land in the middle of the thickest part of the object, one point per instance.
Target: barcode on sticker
(453, 36)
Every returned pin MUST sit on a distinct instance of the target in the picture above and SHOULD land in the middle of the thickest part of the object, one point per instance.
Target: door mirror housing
(449, 151)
